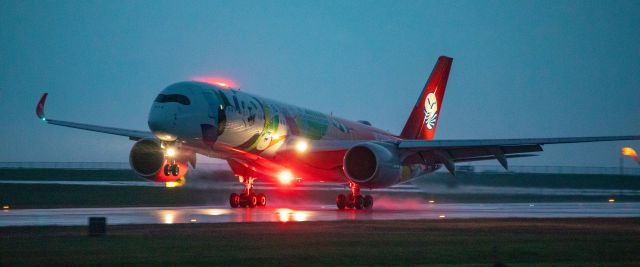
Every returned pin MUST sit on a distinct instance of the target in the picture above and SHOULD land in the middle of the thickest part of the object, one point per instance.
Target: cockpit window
(162, 98)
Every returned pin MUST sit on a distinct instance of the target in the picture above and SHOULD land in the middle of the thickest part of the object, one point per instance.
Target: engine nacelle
(373, 165)
(147, 159)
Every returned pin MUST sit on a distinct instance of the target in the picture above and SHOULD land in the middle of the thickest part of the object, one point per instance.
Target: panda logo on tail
(430, 111)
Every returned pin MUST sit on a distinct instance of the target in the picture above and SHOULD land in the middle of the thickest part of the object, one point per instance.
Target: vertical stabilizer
(423, 120)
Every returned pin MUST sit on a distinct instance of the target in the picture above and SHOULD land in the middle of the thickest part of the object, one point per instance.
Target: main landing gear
(354, 200)
(248, 198)
(171, 169)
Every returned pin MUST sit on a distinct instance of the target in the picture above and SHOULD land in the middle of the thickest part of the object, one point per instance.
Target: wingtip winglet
(40, 107)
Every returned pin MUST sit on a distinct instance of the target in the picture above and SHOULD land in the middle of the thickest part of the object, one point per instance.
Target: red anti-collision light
(221, 82)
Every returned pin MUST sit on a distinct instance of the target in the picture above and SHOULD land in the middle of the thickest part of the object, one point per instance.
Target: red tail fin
(424, 117)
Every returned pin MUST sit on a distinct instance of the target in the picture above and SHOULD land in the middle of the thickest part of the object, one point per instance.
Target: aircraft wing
(451, 151)
(448, 152)
(418, 144)
(132, 134)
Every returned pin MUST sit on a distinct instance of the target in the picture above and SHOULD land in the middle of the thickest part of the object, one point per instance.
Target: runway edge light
(630, 152)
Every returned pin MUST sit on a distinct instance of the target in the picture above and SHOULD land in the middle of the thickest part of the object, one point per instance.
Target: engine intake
(147, 159)
(373, 164)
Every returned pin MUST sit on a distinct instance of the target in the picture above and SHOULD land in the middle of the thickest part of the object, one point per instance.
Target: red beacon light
(220, 82)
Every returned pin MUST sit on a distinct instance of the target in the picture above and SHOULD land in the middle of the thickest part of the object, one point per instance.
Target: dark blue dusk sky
(521, 68)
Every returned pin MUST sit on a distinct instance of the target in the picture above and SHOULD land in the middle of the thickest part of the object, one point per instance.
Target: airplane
(265, 139)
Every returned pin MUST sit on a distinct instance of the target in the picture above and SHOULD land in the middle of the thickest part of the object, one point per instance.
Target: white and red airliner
(264, 139)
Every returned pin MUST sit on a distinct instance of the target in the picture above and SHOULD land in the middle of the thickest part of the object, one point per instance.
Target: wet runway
(433, 188)
(221, 214)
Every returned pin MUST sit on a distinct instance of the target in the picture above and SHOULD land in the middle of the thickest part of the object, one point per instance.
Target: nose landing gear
(355, 199)
(170, 151)
(171, 169)
(247, 198)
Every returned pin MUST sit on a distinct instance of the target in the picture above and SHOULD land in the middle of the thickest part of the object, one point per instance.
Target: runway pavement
(221, 214)
(317, 186)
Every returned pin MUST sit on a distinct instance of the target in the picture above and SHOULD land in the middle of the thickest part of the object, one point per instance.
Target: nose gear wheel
(171, 169)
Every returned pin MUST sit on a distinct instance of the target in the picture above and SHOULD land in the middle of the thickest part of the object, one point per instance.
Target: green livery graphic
(313, 124)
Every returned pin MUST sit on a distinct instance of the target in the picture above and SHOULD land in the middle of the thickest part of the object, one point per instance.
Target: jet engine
(149, 160)
(373, 164)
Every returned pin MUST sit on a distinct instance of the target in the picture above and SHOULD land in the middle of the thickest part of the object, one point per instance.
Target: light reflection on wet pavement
(223, 214)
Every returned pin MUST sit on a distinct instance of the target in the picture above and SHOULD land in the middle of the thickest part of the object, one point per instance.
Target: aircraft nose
(162, 122)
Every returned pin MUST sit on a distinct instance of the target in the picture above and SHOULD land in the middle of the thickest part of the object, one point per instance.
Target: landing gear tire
(341, 201)
(166, 170)
(368, 202)
(355, 199)
(247, 198)
(234, 200)
(171, 169)
(253, 201)
(175, 170)
(262, 200)
(244, 201)
(359, 202)
(350, 201)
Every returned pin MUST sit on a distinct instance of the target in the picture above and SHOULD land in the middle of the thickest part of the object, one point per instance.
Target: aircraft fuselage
(254, 131)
